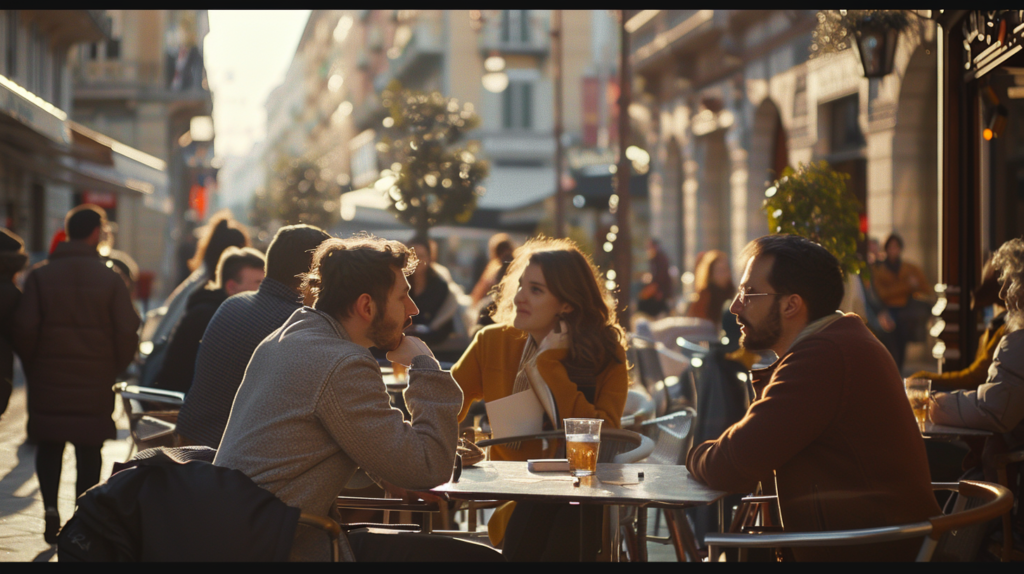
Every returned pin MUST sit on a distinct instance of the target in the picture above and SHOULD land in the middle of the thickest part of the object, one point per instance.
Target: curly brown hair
(594, 332)
(344, 269)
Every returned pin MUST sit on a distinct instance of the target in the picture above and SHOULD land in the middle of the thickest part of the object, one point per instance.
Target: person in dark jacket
(75, 330)
(429, 292)
(239, 270)
(238, 326)
(12, 260)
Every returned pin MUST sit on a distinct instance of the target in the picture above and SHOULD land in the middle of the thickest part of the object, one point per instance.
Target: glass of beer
(582, 441)
(919, 393)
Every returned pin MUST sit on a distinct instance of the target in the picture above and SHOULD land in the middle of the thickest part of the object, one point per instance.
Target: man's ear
(365, 307)
(231, 287)
(793, 306)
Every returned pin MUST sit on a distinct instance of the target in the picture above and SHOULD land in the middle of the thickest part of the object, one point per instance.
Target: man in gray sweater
(312, 407)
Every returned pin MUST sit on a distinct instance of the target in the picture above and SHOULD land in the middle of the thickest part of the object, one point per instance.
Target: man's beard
(762, 338)
(386, 335)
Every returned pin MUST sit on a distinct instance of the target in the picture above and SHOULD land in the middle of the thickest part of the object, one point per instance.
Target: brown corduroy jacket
(832, 426)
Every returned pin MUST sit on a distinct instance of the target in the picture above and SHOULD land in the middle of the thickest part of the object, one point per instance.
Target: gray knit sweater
(313, 408)
(239, 324)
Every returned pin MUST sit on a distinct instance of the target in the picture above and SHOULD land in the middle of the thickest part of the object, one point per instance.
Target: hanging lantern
(876, 47)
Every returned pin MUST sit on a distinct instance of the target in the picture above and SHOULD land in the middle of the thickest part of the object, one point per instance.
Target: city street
(21, 505)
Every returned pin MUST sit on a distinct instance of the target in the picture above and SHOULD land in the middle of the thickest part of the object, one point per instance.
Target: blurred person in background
(997, 405)
(430, 292)
(221, 232)
(75, 330)
(902, 287)
(239, 325)
(556, 328)
(12, 261)
(713, 286)
(656, 295)
(239, 270)
(501, 248)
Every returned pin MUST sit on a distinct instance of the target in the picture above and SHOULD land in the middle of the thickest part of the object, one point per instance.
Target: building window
(114, 49)
(517, 106)
(515, 26)
(12, 43)
(59, 60)
(845, 131)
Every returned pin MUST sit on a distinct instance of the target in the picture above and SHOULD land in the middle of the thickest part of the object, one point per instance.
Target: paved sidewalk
(21, 504)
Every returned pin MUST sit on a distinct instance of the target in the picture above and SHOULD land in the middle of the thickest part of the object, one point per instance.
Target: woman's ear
(565, 311)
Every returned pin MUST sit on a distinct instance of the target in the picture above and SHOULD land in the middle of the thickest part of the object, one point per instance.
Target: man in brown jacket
(75, 331)
(831, 426)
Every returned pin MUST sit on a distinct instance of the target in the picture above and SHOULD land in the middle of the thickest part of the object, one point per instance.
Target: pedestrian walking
(75, 330)
(12, 260)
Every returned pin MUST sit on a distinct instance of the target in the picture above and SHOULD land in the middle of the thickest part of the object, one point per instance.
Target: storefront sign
(990, 37)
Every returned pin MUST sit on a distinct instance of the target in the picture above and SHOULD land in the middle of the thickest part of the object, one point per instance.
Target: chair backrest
(672, 435)
(639, 408)
(617, 445)
(649, 370)
(624, 446)
(996, 500)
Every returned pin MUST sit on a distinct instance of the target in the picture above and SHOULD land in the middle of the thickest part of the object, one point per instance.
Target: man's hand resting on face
(409, 347)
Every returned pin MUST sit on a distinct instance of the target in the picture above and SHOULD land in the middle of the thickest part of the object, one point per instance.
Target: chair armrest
(999, 501)
(360, 503)
(833, 538)
(553, 434)
(759, 499)
(340, 549)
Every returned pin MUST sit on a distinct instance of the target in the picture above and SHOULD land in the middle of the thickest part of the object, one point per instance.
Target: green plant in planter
(813, 202)
(836, 29)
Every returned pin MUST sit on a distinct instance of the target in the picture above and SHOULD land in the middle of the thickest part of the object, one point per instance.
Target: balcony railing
(119, 73)
(537, 40)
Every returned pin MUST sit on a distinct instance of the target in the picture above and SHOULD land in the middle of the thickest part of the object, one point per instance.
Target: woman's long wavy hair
(1009, 259)
(595, 336)
(717, 296)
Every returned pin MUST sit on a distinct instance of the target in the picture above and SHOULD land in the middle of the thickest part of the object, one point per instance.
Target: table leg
(616, 534)
(641, 533)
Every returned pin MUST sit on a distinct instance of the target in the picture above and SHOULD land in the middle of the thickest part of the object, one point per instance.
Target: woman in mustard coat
(555, 321)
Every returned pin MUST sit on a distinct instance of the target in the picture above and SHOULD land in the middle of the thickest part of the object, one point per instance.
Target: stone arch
(915, 162)
(713, 192)
(769, 155)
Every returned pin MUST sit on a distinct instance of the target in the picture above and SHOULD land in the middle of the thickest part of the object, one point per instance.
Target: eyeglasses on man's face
(744, 297)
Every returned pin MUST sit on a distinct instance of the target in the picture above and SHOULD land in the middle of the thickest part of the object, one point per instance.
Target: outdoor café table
(663, 486)
(948, 433)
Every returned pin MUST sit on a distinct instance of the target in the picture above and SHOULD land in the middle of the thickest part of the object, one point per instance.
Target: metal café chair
(670, 394)
(672, 435)
(997, 501)
(152, 414)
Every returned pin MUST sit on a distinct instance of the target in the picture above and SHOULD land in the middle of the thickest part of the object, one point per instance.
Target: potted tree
(814, 202)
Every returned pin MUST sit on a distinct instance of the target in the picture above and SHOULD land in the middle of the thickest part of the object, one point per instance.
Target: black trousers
(49, 460)
(414, 547)
(541, 532)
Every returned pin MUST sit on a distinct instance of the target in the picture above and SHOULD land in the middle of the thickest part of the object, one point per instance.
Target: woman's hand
(558, 338)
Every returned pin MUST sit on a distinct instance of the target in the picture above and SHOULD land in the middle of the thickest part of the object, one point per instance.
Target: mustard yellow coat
(488, 368)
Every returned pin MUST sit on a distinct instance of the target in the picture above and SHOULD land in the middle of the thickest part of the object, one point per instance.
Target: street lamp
(495, 80)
